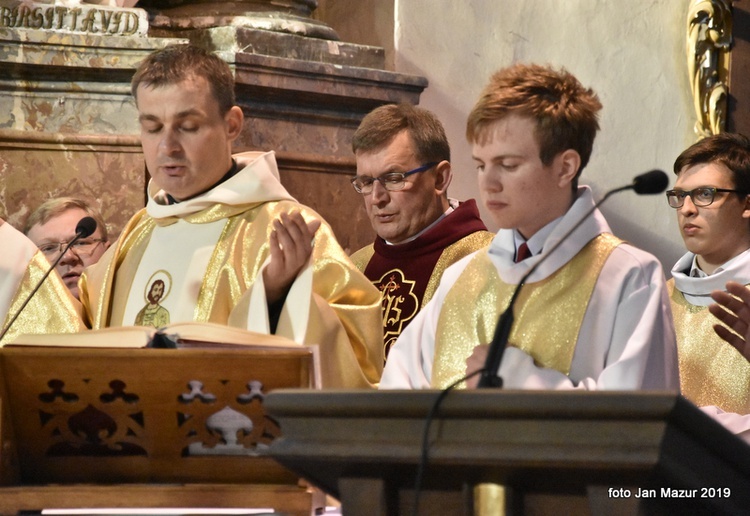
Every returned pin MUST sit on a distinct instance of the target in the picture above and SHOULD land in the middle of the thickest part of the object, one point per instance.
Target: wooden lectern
(116, 428)
(598, 453)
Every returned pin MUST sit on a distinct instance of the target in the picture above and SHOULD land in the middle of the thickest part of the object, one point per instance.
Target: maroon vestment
(408, 274)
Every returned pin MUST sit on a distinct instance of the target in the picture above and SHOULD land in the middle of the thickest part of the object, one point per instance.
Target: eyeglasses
(701, 197)
(392, 181)
(82, 247)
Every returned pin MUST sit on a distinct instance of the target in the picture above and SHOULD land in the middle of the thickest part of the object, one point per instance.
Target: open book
(177, 335)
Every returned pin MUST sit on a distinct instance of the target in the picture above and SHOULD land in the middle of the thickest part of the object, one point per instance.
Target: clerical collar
(537, 240)
(232, 171)
(452, 205)
(696, 272)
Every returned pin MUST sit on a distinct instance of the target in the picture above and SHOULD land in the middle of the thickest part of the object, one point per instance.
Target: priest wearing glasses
(403, 173)
(53, 224)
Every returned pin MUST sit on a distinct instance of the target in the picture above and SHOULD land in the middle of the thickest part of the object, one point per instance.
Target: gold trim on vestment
(100, 309)
(345, 314)
(453, 253)
(362, 257)
(712, 372)
(51, 310)
(548, 313)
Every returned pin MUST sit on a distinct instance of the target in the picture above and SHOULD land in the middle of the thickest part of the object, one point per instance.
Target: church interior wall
(632, 53)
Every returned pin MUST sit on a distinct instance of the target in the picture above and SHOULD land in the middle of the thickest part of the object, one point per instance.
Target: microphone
(651, 182)
(85, 228)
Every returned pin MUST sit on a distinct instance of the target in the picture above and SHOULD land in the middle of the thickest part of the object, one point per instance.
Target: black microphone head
(651, 182)
(86, 227)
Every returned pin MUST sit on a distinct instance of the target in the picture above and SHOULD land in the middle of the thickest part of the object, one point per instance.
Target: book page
(184, 334)
(114, 337)
(192, 334)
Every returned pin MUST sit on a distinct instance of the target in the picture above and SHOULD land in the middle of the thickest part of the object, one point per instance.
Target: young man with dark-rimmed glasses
(710, 198)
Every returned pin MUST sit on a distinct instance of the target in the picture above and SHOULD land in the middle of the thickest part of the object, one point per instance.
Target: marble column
(68, 125)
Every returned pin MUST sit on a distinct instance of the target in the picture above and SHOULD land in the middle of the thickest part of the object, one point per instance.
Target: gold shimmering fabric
(548, 313)
(97, 284)
(407, 275)
(345, 318)
(362, 257)
(712, 372)
(452, 254)
(51, 310)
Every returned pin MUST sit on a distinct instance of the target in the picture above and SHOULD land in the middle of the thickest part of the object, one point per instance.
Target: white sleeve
(626, 341)
(17, 252)
(294, 316)
(738, 424)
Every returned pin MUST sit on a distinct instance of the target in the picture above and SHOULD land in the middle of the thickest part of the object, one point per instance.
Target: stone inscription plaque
(73, 18)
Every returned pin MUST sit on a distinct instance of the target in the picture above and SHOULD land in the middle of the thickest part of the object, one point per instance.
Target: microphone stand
(490, 377)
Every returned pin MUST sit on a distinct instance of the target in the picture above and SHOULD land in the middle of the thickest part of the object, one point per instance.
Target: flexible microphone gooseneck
(85, 228)
(652, 182)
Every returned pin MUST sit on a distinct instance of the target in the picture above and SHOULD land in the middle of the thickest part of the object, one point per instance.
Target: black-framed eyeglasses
(701, 197)
(82, 247)
(392, 181)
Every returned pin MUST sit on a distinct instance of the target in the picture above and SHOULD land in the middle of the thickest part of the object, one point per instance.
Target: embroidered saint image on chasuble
(154, 314)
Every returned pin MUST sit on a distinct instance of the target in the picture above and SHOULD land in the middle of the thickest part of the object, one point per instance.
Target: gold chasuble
(233, 267)
(712, 372)
(342, 307)
(549, 312)
(51, 310)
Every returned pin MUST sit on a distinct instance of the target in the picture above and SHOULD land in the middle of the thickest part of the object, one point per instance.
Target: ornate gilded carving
(709, 36)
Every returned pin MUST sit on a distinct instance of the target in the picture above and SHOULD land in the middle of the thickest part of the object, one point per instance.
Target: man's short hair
(565, 112)
(384, 123)
(176, 63)
(729, 149)
(59, 205)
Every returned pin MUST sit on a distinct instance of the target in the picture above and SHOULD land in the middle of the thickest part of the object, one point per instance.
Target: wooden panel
(551, 448)
(284, 499)
(147, 415)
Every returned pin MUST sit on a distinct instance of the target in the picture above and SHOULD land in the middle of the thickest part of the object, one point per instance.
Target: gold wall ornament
(709, 36)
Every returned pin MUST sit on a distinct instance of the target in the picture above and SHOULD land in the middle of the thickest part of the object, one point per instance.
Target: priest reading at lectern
(221, 240)
(595, 313)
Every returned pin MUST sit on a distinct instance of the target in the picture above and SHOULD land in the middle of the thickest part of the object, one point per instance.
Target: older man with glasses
(403, 173)
(53, 225)
(51, 309)
(712, 203)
